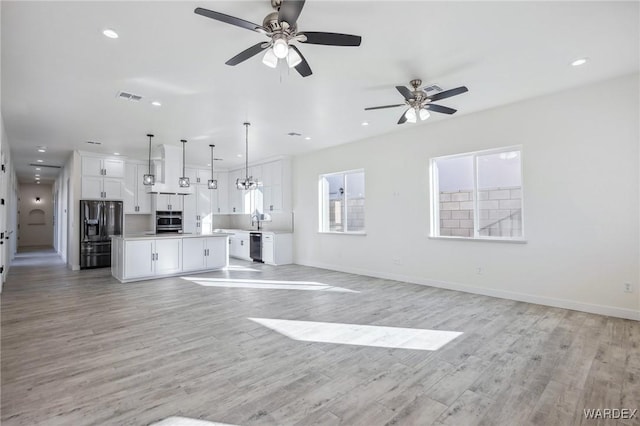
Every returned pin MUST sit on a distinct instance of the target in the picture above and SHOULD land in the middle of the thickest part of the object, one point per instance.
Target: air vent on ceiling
(45, 165)
(94, 143)
(294, 134)
(129, 96)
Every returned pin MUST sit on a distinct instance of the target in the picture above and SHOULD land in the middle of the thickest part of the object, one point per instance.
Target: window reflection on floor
(361, 335)
(266, 284)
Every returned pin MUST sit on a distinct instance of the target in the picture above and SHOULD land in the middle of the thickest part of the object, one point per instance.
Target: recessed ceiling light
(156, 103)
(38, 168)
(239, 155)
(42, 150)
(37, 178)
(40, 161)
(37, 175)
(580, 61)
(116, 153)
(308, 138)
(209, 165)
(38, 182)
(364, 123)
(110, 33)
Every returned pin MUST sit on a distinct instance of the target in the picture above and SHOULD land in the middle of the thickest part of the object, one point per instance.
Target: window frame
(434, 188)
(321, 201)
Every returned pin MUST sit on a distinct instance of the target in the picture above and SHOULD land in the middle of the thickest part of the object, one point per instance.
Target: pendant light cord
(246, 156)
(149, 165)
(183, 168)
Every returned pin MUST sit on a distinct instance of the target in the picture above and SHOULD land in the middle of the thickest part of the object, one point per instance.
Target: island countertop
(167, 235)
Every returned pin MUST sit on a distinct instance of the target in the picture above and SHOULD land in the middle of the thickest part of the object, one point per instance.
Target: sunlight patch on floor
(266, 284)
(240, 268)
(360, 335)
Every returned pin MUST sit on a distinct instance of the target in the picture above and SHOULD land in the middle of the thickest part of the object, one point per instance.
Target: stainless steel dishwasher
(255, 246)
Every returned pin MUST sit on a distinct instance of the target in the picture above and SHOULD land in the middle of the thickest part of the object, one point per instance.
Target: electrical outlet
(627, 287)
(396, 260)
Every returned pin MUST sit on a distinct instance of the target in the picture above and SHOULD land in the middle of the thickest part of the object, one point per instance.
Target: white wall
(580, 148)
(35, 230)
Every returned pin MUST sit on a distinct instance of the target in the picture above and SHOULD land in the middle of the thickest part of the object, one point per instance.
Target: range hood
(167, 167)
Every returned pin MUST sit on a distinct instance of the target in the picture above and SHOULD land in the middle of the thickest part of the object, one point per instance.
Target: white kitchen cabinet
(192, 174)
(101, 178)
(277, 249)
(145, 258)
(197, 215)
(135, 196)
(139, 258)
(204, 253)
(169, 202)
(273, 185)
(101, 188)
(221, 206)
(100, 166)
(236, 196)
(168, 256)
(239, 245)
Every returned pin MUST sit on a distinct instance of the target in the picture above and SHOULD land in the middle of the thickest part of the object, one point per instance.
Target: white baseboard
(502, 294)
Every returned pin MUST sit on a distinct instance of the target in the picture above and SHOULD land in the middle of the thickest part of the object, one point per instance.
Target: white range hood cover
(167, 162)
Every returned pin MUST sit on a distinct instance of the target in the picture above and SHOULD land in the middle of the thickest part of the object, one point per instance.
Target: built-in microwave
(168, 221)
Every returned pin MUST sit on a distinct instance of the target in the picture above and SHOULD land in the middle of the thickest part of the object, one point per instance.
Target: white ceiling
(60, 75)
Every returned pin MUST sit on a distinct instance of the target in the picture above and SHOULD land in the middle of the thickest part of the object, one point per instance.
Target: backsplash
(280, 221)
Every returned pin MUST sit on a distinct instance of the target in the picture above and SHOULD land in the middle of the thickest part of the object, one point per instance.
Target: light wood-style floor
(79, 348)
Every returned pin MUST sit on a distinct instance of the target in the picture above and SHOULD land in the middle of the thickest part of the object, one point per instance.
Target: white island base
(145, 257)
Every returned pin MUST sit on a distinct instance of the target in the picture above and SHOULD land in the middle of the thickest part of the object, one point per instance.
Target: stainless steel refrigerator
(100, 220)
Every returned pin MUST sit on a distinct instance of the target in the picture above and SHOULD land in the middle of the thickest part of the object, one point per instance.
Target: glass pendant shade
(410, 115)
(280, 48)
(270, 59)
(424, 114)
(183, 181)
(149, 179)
(293, 58)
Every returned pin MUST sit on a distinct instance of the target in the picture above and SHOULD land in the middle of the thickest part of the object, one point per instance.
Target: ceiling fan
(419, 101)
(281, 28)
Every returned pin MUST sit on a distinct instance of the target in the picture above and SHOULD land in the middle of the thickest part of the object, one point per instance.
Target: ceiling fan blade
(440, 108)
(229, 19)
(246, 54)
(289, 11)
(448, 93)
(303, 67)
(384, 106)
(331, 39)
(403, 119)
(405, 92)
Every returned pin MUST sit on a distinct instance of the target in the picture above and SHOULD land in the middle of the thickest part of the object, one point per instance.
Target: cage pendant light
(212, 183)
(149, 179)
(183, 182)
(247, 182)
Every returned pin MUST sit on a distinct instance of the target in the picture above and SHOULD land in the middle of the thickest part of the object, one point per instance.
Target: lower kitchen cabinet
(139, 258)
(204, 253)
(277, 249)
(239, 246)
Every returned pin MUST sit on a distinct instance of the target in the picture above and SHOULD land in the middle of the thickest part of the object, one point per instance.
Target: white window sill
(342, 233)
(485, 239)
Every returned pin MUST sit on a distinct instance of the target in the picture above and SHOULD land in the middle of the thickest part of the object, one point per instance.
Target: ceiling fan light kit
(420, 102)
(281, 28)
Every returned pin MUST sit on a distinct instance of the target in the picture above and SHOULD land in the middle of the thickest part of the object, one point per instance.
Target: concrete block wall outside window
(499, 213)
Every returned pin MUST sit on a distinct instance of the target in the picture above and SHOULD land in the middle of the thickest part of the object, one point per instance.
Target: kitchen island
(144, 257)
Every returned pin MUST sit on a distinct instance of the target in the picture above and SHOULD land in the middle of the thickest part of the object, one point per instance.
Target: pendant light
(149, 179)
(247, 182)
(212, 183)
(184, 180)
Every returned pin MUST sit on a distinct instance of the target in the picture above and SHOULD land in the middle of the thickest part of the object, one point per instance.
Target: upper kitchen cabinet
(221, 195)
(276, 186)
(136, 198)
(102, 178)
(198, 176)
(100, 166)
(169, 202)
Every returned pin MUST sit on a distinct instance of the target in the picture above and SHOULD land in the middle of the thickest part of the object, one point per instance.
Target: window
(342, 202)
(478, 195)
